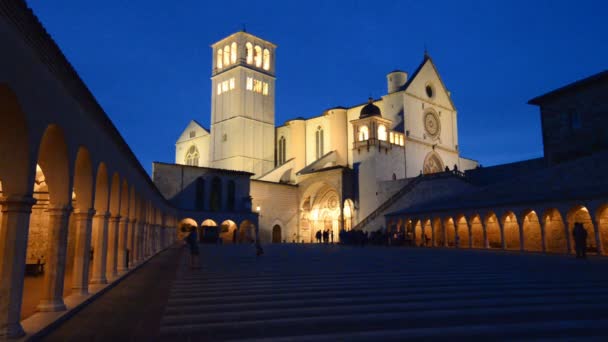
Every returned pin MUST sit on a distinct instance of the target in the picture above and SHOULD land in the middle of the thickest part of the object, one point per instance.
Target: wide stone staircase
(329, 292)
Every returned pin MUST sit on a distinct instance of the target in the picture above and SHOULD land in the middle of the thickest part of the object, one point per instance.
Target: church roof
(427, 58)
(370, 109)
(599, 77)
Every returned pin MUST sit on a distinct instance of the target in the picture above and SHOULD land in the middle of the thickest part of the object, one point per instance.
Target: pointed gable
(194, 128)
(427, 75)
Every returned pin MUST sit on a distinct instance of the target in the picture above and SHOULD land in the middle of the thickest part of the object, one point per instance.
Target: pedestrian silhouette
(580, 240)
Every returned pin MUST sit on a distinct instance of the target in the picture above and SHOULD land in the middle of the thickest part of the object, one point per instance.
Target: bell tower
(242, 104)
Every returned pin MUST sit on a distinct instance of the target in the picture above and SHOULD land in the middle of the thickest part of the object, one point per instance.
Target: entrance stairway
(326, 292)
(376, 218)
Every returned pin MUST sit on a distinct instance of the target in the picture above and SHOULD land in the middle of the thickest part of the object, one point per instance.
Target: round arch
(228, 232)
(580, 214)
(432, 163)
(532, 231)
(511, 231)
(556, 239)
(477, 235)
(493, 230)
(184, 226)
(246, 232)
(276, 234)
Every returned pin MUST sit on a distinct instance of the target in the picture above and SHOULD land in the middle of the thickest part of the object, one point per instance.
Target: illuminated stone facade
(326, 172)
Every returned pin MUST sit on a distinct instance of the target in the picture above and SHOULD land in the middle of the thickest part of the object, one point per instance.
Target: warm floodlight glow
(266, 59)
(233, 53)
(258, 56)
(363, 133)
(219, 59)
(249, 48)
(382, 132)
(258, 208)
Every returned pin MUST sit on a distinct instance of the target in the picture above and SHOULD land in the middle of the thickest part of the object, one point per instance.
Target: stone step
(393, 306)
(354, 293)
(559, 330)
(399, 297)
(220, 280)
(324, 324)
(422, 284)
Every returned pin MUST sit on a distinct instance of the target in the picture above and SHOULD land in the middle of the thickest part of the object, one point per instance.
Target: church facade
(329, 171)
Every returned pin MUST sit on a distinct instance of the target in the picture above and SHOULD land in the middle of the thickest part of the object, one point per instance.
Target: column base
(80, 291)
(122, 271)
(96, 281)
(51, 306)
(13, 330)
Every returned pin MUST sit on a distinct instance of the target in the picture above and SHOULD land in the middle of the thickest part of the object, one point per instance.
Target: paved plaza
(325, 292)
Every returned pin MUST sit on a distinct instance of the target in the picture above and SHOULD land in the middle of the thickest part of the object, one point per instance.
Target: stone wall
(278, 205)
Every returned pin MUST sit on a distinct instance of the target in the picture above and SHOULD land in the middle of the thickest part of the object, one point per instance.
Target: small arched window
(215, 200)
(363, 133)
(249, 48)
(281, 152)
(382, 132)
(233, 52)
(258, 56)
(192, 156)
(319, 142)
(231, 195)
(266, 59)
(226, 55)
(219, 59)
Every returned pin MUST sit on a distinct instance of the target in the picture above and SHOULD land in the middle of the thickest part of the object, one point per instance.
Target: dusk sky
(148, 63)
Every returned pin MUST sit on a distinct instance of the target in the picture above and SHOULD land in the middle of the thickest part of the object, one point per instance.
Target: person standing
(318, 236)
(192, 242)
(580, 240)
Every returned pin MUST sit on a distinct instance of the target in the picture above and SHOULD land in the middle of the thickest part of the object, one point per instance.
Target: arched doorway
(276, 234)
(184, 226)
(246, 232)
(556, 240)
(228, 232)
(210, 232)
(532, 234)
(510, 229)
(493, 233)
(580, 214)
(349, 214)
(477, 232)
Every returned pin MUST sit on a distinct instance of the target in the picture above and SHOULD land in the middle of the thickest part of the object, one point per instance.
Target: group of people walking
(326, 236)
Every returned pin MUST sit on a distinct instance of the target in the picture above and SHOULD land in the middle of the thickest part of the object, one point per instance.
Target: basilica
(329, 171)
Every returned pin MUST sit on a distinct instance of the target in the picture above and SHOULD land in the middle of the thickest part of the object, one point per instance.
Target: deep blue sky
(148, 62)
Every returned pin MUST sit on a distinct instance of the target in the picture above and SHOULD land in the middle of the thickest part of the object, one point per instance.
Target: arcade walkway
(315, 292)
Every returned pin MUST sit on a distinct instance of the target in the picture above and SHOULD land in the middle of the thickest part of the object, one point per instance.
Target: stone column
(121, 255)
(486, 241)
(568, 239)
(502, 234)
(111, 271)
(137, 243)
(144, 241)
(14, 229)
(470, 229)
(54, 270)
(82, 253)
(131, 241)
(456, 236)
(100, 242)
(520, 224)
(598, 241)
(543, 235)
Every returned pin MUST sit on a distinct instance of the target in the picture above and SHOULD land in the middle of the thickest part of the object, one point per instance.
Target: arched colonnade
(547, 229)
